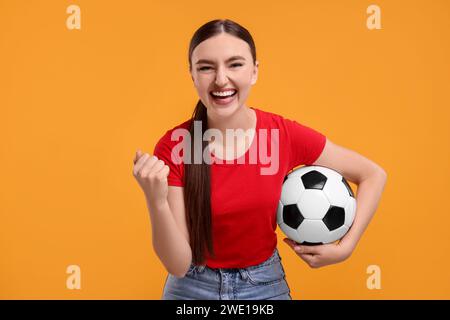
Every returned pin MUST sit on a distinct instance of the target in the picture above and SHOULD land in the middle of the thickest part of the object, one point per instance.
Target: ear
(255, 73)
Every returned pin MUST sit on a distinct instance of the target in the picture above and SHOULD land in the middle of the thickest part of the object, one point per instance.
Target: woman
(214, 216)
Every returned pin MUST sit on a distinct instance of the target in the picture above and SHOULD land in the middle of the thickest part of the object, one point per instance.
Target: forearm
(368, 196)
(169, 243)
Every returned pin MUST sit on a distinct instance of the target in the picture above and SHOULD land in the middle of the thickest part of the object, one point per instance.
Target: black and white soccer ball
(317, 205)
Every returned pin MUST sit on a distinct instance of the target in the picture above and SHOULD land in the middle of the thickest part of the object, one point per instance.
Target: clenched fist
(151, 174)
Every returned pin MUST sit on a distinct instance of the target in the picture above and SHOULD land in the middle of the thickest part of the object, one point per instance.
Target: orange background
(76, 104)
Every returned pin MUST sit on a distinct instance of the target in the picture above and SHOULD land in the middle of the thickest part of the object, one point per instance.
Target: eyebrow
(233, 58)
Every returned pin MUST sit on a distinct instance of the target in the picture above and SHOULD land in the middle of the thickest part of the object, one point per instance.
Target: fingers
(294, 245)
(144, 164)
(151, 165)
(306, 249)
(291, 243)
(139, 163)
(309, 254)
(145, 161)
(309, 259)
(301, 248)
(163, 173)
(137, 156)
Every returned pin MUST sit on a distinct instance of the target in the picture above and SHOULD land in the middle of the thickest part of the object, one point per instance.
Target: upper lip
(223, 90)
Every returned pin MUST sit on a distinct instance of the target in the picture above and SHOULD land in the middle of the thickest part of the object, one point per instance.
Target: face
(220, 63)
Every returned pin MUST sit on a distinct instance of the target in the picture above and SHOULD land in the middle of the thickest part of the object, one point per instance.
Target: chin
(226, 110)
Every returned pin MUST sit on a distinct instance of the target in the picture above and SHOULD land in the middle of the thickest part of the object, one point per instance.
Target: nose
(221, 77)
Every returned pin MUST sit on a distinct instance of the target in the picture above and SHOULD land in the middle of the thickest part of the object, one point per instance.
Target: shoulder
(172, 135)
(268, 114)
(272, 119)
(165, 147)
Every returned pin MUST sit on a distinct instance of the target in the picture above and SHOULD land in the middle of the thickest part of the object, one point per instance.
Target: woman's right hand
(151, 174)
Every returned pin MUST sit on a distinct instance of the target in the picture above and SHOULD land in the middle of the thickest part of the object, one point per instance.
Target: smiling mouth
(222, 97)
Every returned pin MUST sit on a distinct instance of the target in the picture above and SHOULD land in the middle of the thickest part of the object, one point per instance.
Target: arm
(167, 213)
(370, 179)
(169, 233)
(367, 198)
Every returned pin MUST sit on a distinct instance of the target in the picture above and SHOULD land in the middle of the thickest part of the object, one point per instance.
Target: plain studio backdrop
(77, 103)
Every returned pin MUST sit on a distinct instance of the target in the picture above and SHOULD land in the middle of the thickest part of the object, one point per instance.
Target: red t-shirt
(243, 200)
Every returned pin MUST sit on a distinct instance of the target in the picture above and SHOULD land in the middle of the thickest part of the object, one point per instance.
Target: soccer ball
(317, 205)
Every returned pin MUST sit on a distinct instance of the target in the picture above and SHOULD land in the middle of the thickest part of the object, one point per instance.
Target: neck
(242, 118)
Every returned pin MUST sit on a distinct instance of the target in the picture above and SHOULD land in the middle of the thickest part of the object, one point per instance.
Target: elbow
(378, 171)
(383, 173)
(381, 176)
(176, 263)
(181, 267)
(179, 272)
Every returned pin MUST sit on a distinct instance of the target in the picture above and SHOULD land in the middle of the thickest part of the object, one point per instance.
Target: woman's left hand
(320, 255)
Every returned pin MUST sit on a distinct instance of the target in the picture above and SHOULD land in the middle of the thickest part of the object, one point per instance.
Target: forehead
(221, 47)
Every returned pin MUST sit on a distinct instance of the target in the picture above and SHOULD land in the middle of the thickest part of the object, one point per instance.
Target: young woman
(214, 219)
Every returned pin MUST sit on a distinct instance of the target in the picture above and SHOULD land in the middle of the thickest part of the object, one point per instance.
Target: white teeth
(223, 94)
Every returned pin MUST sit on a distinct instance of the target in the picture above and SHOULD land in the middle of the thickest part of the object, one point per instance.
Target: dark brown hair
(197, 188)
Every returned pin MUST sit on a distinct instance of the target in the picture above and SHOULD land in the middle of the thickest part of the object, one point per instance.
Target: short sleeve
(163, 150)
(305, 143)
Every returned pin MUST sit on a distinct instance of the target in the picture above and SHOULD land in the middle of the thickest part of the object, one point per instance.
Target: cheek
(203, 85)
(244, 82)
(202, 88)
(244, 89)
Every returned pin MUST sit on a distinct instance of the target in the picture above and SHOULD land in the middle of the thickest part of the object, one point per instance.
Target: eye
(234, 65)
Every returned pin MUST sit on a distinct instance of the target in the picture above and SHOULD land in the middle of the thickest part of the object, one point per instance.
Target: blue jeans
(265, 281)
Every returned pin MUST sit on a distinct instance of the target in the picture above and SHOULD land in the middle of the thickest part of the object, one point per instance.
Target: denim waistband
(273, 258)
